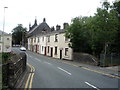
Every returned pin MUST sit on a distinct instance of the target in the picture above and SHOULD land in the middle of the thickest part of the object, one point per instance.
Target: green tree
(78, 34)
(106, 26)
(116, 45)
(19, 35)
(96, 34)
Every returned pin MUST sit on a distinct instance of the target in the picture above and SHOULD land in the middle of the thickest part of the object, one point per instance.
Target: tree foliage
(19, 35)
(95, 33)
(78, 34)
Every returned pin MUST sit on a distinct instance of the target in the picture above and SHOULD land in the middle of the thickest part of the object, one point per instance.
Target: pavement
(113, 70)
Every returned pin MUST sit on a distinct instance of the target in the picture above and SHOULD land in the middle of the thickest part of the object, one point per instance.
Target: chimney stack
(65, 25)
(44, 20)
(58, 27)
(52, 28)
(29, 26)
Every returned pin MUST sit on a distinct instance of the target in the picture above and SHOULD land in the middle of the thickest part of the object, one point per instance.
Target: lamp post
(3, 29)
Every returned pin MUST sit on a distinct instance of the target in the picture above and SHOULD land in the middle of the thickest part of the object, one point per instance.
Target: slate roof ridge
(32, 29)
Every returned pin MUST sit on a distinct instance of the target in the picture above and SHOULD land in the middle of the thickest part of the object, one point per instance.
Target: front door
(45, 51)
(60, 54)
(51, 52)
(36, 49)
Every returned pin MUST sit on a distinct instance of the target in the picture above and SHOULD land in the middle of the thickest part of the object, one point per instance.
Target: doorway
(45, 51)
(51, 52)
(60, 54)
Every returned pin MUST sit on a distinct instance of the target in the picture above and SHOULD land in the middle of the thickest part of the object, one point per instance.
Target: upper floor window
(56, 37)
(66, 39)
(43, 39)
(48, 38)
(34, 39)
(31, 40)
(8, 38)
(38, 40)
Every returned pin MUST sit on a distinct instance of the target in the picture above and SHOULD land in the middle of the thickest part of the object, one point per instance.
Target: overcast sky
(55, 11)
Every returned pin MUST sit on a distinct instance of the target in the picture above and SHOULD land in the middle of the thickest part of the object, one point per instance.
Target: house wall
(47, 48)
(61, 44)
(29, 40)
(7, 42)
(42, 45)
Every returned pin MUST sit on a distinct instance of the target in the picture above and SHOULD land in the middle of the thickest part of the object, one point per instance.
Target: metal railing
(109, 59)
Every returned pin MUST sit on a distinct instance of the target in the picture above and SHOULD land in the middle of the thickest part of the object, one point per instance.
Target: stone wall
(85, 58)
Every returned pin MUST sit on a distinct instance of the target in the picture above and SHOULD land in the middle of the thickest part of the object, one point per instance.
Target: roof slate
(43, 29)
(38, 29)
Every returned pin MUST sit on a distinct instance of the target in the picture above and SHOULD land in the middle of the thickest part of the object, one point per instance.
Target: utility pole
(3, 29)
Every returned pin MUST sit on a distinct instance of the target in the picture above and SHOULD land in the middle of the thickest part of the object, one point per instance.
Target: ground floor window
(42, 48)
(66, 51)
(55, 50)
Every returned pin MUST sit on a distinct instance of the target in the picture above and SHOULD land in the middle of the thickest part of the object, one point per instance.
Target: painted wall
(6, 44)
(61, 44)
(47, 47)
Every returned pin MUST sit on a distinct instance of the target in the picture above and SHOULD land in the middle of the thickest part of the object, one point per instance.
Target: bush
(5, 57)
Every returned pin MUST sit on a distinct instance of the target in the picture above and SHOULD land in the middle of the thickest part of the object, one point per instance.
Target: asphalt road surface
(51, 73)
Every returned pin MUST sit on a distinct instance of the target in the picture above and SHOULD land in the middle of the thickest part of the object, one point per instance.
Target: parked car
(23, 49)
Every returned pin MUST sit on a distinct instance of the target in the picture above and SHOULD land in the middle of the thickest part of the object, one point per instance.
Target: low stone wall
(14, 69)
(85, 58)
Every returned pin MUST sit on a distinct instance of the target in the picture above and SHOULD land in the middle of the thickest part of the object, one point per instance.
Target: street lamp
(4, 18)
(3, 29)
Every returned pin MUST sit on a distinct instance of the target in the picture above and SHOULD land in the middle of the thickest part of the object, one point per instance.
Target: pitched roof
(51, 33)
(39, 28)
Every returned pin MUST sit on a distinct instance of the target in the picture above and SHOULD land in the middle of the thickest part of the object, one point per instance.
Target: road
(51, 73)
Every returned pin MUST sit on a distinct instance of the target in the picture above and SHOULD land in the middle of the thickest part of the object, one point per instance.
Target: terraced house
(5, 42)
(49, 41)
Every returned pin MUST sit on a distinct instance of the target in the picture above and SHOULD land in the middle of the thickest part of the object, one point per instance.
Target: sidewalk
(113, 71)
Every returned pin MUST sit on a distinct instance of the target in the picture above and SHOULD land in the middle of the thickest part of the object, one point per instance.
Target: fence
(109, 59)
(13, 70)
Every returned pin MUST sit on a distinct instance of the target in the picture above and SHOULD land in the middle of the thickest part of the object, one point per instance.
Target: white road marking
(92, 85)
(38, 59)
(47, 63)
(64, 70)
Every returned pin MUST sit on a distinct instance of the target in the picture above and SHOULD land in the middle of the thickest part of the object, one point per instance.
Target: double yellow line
(28, 84)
